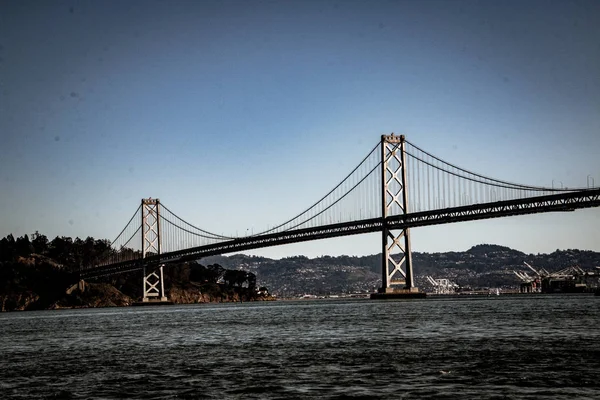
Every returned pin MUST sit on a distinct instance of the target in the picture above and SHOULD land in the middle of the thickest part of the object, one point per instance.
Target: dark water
(532, 347)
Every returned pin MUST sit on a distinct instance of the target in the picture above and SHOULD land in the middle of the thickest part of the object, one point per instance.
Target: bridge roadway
(550, 203)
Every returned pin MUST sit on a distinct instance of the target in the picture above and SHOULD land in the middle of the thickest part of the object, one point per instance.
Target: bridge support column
(154, 288)
(396, 268)
(153, 281)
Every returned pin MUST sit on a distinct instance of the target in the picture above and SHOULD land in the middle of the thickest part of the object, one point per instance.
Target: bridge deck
(551, 203)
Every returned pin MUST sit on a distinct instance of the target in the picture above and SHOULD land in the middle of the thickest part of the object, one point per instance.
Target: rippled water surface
(521, 347)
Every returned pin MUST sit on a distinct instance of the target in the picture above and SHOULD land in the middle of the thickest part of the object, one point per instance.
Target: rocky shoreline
(38, 282)
(97, 295)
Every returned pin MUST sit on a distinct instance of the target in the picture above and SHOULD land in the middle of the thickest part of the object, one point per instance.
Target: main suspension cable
(510, 184)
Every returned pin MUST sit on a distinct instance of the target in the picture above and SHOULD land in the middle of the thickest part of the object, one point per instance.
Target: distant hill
(484, 265)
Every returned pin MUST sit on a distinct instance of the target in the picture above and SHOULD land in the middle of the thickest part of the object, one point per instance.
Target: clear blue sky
(239, 114)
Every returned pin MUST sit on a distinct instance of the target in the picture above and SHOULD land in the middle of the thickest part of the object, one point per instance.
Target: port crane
(542, 273)
(443, 285)
(534, 283)
(531, 283)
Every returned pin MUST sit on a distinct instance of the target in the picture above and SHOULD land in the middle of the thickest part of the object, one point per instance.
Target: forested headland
(37, 273)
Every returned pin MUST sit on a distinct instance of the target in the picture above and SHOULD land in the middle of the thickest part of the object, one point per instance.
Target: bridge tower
(153, 282)
(396, 268)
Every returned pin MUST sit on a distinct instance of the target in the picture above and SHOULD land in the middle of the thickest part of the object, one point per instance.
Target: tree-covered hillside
(40, 274)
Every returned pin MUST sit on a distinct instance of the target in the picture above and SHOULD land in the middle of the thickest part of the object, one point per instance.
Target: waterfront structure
(571, 279)
(442, 285)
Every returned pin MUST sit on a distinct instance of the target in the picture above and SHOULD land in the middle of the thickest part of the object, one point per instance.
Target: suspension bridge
(396, 187)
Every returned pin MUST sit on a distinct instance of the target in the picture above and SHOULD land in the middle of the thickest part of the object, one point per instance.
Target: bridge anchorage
(396, 187)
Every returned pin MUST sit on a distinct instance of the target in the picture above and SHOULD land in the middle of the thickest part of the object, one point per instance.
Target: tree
(61, 250)
(102, 250)
(23, 246)
(215, 273)
(251, 279)
(7, 248)
(234, 277)
(198, 273)
(40, 243)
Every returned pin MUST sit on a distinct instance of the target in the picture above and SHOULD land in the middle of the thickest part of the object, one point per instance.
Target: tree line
(72, 254)
(36, 267)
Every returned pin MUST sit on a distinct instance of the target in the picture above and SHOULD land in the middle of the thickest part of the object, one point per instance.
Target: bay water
(497, 347)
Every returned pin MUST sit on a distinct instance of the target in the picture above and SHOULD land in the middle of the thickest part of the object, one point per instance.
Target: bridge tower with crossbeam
(396, 267)
(152, 275)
